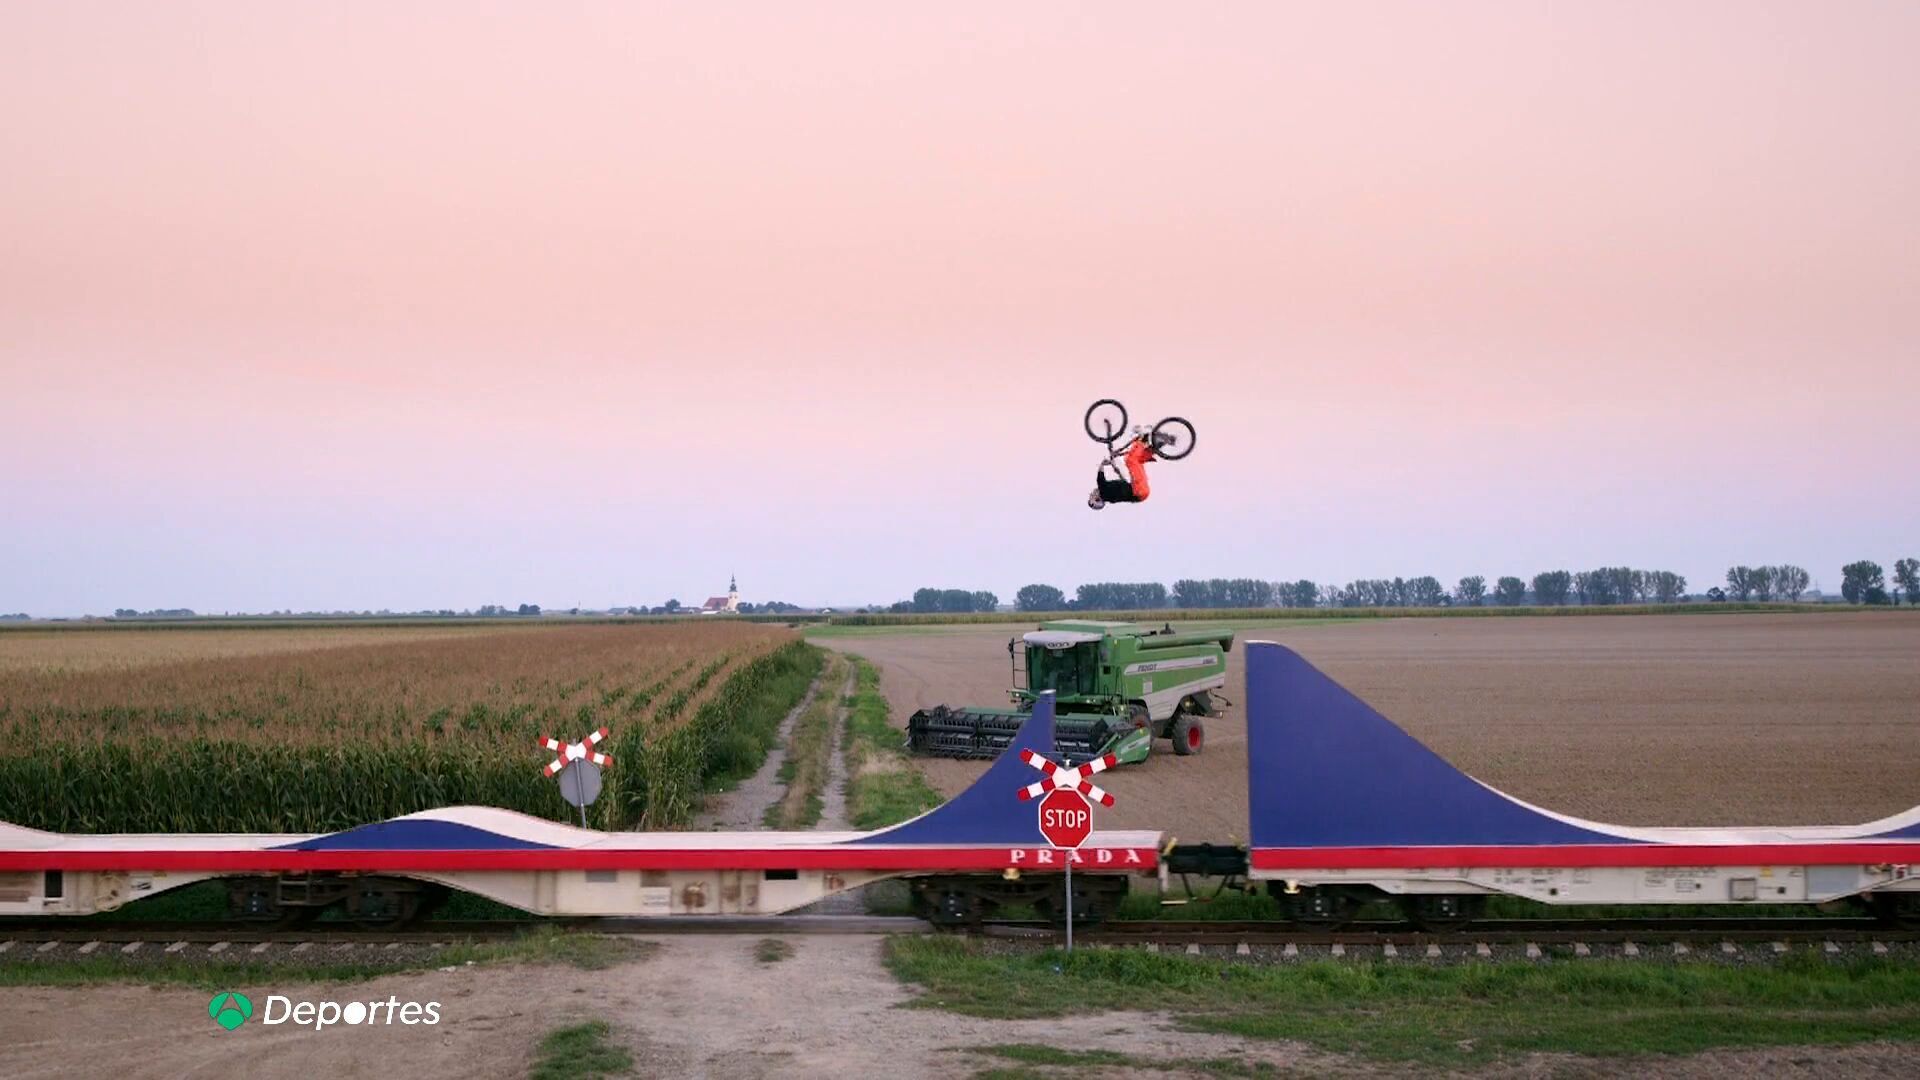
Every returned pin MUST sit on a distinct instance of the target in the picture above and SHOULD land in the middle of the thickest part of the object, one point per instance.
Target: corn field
(346, 733)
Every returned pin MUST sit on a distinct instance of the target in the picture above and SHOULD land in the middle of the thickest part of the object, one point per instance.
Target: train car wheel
(949, 906)
(1443, 913)
(1328, 907)
(1900, 909)
(1095, 897)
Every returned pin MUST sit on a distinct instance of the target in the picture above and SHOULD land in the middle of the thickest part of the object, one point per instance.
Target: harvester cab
(1117, 686)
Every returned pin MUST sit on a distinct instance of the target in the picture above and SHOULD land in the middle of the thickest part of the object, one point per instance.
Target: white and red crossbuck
(1060, 778)
(576, 751)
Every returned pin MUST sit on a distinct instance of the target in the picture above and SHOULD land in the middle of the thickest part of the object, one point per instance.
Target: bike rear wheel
(1106, 421)
(1173, 438)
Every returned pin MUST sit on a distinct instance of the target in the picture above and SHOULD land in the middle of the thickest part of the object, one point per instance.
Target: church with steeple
(719, 605)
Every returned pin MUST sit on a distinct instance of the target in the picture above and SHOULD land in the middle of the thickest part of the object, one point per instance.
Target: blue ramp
(989, 812)
(1325, 770)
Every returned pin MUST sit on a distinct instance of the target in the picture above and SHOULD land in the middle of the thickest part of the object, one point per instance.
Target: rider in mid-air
(1133, 488)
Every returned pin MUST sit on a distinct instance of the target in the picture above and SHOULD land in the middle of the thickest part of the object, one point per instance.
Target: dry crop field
(119, 648)
(182, 729)
(1737, 719)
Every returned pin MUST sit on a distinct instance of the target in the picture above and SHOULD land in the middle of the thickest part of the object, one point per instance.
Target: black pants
(1114, 491)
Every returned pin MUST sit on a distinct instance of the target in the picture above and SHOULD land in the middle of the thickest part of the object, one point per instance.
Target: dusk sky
(406, 305)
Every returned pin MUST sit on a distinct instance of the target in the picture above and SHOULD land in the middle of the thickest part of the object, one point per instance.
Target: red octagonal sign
(1066, 818)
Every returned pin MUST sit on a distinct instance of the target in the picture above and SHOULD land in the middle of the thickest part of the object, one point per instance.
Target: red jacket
(1137, 457)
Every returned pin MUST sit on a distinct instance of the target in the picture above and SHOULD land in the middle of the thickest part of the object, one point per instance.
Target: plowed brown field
(1637, 720)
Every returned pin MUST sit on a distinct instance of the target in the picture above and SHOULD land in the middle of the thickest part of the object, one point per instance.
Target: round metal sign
(580, 783)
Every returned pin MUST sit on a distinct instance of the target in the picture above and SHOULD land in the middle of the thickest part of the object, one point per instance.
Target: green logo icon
(229, 1010)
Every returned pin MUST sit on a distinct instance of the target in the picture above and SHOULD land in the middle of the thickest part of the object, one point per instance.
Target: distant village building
(720, 605)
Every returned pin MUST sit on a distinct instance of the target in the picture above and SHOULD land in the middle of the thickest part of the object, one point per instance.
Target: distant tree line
(156, 613)
(16, 616)
(1094, 596)
(491, 611)
(1222, 593)
(1551, 588)
(1864, 582)
(946, 602)
(1766, 582)
(770, 607)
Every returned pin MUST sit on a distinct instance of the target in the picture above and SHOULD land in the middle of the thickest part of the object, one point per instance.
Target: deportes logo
(229, 1010)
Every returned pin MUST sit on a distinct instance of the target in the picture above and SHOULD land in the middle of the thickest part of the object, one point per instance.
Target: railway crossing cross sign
(1064, 778)
(1066, 817)
(578, 766)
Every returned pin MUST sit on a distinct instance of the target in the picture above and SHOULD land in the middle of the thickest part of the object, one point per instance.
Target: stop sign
(1065, 818)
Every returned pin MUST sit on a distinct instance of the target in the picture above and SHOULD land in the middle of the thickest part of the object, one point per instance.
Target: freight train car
(980, 851)
(1346, 806)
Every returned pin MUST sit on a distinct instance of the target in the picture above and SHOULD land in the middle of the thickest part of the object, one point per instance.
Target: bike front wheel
(1173, 438)
(1106, 421)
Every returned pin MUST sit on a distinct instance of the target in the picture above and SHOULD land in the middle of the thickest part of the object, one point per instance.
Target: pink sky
(412, 305)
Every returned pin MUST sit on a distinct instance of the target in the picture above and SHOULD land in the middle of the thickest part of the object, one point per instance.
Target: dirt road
(1640, 720)
(700, 1006)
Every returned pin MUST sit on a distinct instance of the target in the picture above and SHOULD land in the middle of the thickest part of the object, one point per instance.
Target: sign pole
(1069, 901)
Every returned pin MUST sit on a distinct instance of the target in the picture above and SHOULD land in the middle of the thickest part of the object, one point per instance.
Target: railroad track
(1508, 931)
(39, 931)
(1580, 936)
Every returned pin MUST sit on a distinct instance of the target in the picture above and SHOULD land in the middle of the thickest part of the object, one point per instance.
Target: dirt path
(833, 801)
(700, 1006)
(833, 807)
(1649, 720)
(745, 806)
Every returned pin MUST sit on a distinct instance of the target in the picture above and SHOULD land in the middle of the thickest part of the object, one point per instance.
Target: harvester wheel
(1188, 735)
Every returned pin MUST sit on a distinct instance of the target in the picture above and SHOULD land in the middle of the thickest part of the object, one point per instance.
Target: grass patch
(883, 786)
(809, 750)
(580, 1050)
(1032, 1057)
(1467, 1014)
(207, 974)
(199, 968)
(772, 950)
(546, 945)
(1041, 1054)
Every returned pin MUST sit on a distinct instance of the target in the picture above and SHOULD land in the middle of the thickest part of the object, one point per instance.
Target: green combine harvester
(1117, 687)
